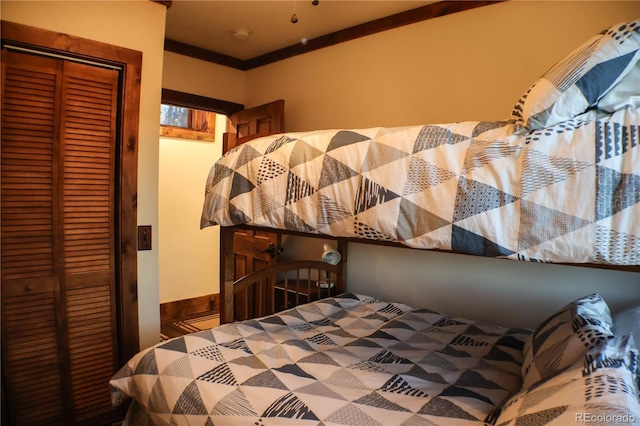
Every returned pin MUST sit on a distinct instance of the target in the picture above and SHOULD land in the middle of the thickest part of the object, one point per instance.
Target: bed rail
(280, 287)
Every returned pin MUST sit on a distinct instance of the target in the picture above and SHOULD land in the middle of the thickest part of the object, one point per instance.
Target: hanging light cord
(294, 17)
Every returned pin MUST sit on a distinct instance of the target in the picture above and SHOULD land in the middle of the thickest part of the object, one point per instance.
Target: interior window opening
(187, 123)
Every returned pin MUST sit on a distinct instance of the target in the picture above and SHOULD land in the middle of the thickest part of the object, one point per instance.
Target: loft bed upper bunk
(557, 182)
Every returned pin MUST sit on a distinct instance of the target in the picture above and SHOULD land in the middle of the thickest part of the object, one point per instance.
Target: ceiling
(210, 24)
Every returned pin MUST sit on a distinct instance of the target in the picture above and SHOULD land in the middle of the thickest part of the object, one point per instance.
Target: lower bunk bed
(349, 359)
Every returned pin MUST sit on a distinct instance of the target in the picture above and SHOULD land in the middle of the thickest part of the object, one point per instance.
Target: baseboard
(185, 307)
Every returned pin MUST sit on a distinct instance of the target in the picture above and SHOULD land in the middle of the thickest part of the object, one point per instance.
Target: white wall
(189, 259)
(197, 77)
(472, 65)
(501, 291)
(137, 25)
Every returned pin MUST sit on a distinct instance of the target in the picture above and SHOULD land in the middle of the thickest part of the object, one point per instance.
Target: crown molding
(166, 3)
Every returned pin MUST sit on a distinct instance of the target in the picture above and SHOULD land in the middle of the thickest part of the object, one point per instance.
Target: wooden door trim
(127, 161)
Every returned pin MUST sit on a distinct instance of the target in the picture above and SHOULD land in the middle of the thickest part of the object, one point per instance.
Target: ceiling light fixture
(241, 33)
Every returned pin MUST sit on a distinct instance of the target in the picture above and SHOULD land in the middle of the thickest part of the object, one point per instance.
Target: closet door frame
(130, 61)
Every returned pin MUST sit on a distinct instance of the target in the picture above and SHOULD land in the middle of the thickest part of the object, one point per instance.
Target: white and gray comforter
(565, 193)
(345, 360)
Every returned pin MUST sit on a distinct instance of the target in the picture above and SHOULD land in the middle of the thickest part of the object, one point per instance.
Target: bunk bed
(506, 189)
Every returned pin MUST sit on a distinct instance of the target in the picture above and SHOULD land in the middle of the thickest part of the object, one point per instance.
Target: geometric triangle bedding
(566, 193)
(345, 360)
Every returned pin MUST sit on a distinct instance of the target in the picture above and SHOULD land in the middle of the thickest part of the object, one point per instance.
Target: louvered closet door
(31, 349)
(59, 341)
(89, 96)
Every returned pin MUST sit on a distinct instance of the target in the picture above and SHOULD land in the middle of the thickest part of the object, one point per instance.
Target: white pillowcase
(628, 322)
(624, 94)
(565, 337)
(599, 388)
(580, 80)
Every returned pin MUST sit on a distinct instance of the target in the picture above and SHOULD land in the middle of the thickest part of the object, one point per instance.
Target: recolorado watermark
(611, 419)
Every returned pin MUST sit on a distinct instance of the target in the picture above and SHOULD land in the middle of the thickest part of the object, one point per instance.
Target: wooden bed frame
(277, 287)
(234, 295)
(262, 299)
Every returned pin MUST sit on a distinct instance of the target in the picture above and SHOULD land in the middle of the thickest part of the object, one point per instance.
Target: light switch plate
(144, 237)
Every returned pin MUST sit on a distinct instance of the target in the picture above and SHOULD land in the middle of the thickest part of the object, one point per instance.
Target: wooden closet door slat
(31, 350)
(88, 164)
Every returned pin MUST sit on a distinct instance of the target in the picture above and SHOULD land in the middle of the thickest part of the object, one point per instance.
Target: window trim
(195, 115)
(210, 106)
(188, 100)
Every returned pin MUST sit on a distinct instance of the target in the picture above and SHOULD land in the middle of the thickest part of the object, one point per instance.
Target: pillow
(626, 93)
(628, 322)
(577, 82)
(600, 388)
(564, 338)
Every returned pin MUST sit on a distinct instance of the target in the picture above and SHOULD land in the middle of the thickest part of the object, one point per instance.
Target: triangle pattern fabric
(548, 170)
(241, 185)
(602, 75)
(362, 230)
(330, 212)
(475, 197)
(291, 407)
(266, 379)
(344, 138)
(334, 172)
(279, 143)
(616, 247)
(269, 169)
(297, 189)
(147, 364)
(234, 404)
(179, 367)
(341, 359)
(371, 194)
(485, 126)
(303, 153)
(540, 224)
(293, 221)
(220, 172)
(481, 153)
(246, 154)
(158, 395)
(442, 407)
(414, 220)
(351, 414)
(432, 136)
(268, 204)
(460, 391)
(190, 402)
(366, 183)
(463, 241)
(174, 345)
(616, 191)
(423, 175)
(380, 154)
(399, 385)
(376, 400)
